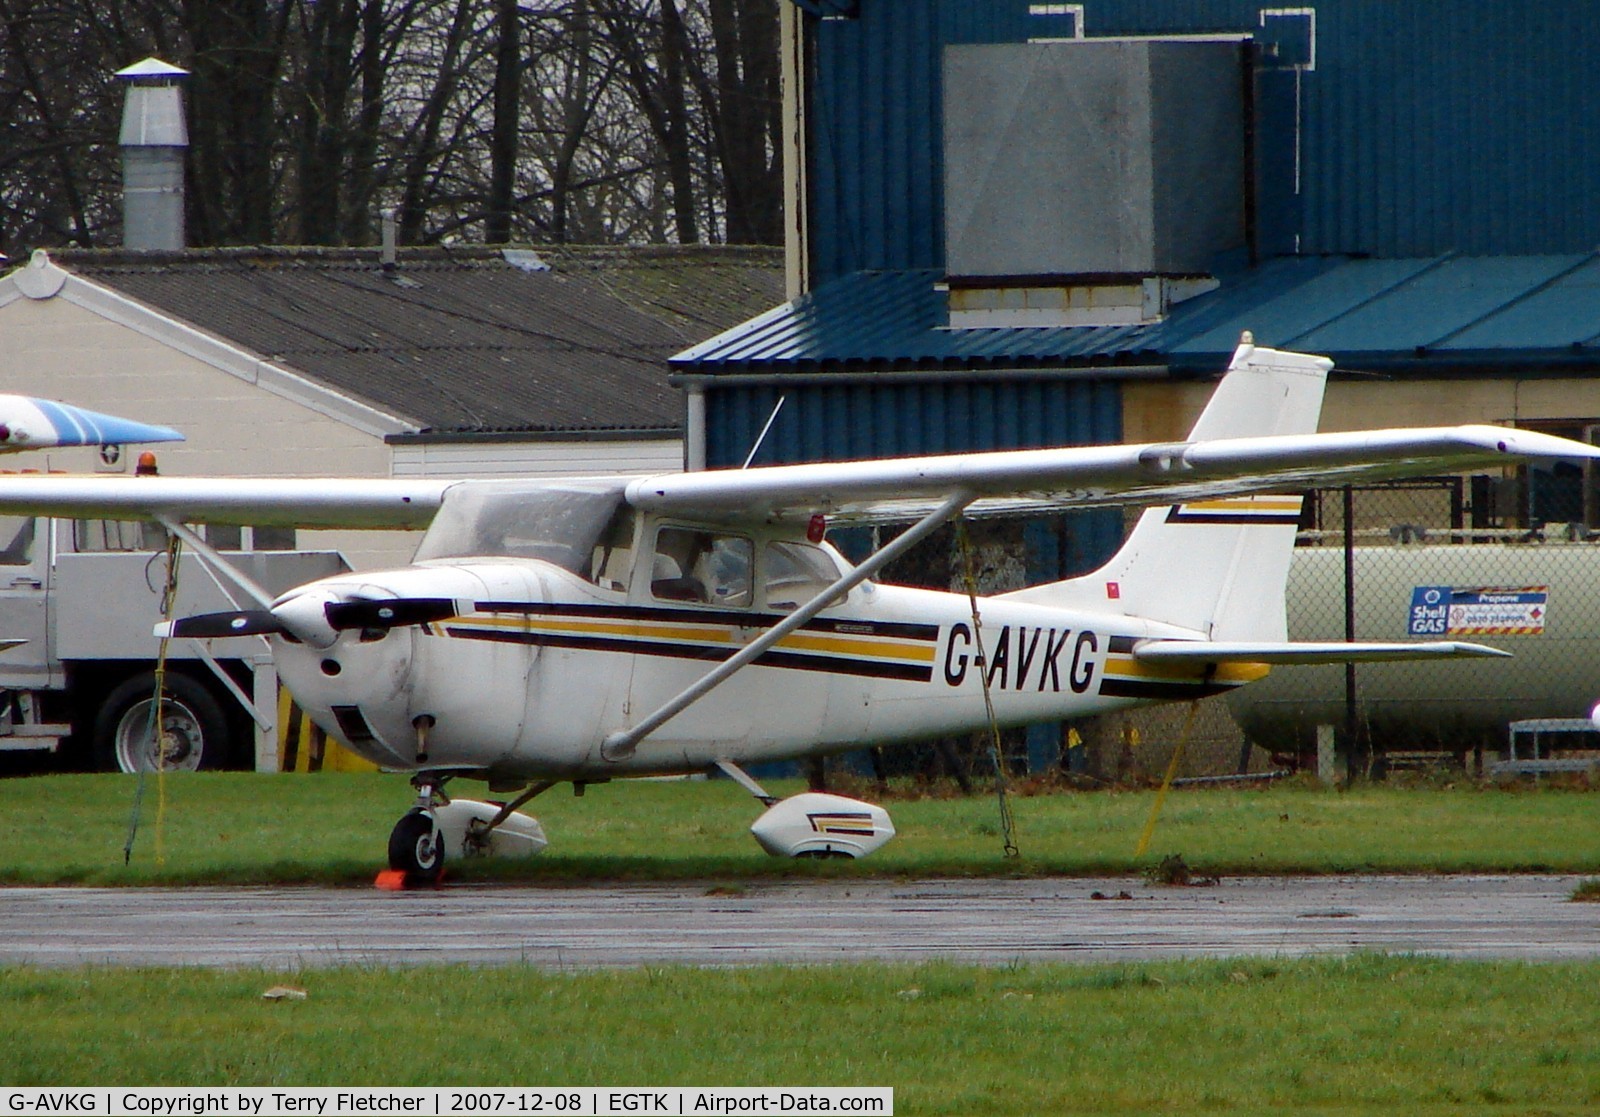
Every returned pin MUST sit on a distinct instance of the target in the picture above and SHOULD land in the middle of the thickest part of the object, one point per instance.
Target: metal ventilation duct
(154, 136)
(1103, 158)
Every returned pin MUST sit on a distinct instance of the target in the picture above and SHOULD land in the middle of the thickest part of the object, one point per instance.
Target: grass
(1362, 1034)
(332, 828)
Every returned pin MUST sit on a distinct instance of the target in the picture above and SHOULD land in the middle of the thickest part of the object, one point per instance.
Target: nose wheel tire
(416, 847)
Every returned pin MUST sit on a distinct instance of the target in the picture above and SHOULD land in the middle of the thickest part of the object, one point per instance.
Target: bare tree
(592, 120)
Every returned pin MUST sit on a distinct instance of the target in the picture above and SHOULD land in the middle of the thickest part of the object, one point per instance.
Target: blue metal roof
(1443, 311)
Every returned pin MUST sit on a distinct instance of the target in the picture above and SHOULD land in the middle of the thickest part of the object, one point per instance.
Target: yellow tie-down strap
(304, 747)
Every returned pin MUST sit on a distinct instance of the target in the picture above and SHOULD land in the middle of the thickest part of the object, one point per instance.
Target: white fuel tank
(817, 825)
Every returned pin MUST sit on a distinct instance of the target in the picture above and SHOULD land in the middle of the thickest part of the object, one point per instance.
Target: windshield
(556, 521)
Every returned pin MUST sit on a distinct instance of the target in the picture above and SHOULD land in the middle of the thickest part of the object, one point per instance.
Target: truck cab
(78, 662)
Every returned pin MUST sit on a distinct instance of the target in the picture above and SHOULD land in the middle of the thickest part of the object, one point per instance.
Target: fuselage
(542, 663)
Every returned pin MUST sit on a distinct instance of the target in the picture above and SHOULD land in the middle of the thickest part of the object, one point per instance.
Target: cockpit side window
(702, 567)
(793, 573)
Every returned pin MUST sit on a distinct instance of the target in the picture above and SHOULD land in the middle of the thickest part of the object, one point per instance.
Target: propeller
(393, 612)
(206, 626)
(314, 619)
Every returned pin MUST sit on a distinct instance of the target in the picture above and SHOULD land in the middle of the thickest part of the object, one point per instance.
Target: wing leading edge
(1045, 480)
(866, 491)
(259, 501)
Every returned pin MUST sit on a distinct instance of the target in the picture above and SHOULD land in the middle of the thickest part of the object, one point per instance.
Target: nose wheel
(416, 844)
(416, 848)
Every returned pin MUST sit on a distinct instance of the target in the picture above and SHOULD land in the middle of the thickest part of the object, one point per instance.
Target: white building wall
(575, 458)
(55, 348)
(65, 338)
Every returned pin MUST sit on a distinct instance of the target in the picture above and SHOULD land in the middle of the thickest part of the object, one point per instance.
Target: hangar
(1013, 224)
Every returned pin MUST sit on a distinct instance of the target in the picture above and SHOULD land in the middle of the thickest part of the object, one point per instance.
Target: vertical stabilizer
(1217, 566)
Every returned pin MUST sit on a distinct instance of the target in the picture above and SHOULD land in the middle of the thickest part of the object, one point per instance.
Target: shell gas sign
(1478, 611)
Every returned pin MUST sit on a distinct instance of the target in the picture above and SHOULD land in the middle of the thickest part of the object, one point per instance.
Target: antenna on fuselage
(762, 437)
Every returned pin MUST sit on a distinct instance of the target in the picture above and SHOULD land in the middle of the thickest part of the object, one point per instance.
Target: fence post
(1357, 760)
(1327, 758)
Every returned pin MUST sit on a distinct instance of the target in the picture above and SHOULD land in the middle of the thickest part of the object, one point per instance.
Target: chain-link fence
(1431, 559)
(1446, 559)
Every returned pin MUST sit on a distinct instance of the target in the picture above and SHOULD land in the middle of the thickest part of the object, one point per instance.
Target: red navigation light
(817, 528)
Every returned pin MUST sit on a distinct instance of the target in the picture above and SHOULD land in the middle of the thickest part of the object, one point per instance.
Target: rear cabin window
(793, 573)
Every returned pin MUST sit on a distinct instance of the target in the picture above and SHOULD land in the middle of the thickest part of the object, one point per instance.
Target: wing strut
(212, 559)
(620, 745)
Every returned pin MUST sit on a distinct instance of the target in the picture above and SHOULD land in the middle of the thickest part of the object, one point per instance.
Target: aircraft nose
(305, 617)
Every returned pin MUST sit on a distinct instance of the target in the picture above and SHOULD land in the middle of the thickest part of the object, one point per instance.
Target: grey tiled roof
(463, 340)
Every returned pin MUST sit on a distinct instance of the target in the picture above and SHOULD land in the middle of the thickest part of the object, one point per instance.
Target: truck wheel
(193, 733)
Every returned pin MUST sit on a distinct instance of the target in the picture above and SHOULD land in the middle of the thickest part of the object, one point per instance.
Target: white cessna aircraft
(30, 423)
(580, 630)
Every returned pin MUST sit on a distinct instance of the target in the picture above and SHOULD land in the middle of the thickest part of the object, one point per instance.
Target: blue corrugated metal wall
(1428, 126)
(864, 420)
(908, 417)
(877, 188)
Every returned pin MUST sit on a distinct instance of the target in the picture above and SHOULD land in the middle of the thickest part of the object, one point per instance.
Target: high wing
(1043, 480)
(29, 423)
(261, 501)
(879, 490)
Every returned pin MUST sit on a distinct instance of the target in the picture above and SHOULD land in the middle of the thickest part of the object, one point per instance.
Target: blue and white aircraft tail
(30, 423)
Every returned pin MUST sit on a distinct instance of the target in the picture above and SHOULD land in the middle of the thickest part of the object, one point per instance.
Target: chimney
(153, 140)
(391, 239)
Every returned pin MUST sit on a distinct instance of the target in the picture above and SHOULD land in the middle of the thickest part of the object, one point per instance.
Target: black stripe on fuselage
(800, 661)
(899, 630)
(1143, 688)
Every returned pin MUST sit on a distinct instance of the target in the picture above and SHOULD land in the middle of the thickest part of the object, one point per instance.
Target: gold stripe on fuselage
(1233, 674)
(709, 633)
(1245, 504)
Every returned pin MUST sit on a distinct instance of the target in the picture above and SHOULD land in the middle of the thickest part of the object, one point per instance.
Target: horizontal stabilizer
(1290, 652)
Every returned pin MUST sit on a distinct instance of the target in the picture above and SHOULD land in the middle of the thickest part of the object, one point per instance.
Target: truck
(78, 660)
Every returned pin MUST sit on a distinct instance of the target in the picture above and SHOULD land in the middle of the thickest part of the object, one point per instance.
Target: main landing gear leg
(478, 830)
(416, 847)
(745, 780)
